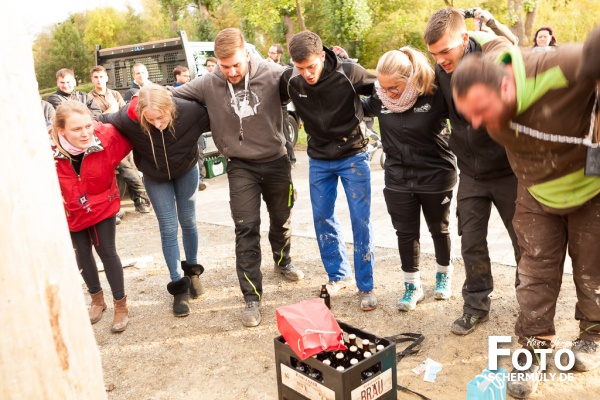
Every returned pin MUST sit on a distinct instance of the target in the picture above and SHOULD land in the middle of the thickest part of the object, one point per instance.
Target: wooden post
(47, 346)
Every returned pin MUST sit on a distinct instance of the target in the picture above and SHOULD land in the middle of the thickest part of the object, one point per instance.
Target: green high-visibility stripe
(254, 287)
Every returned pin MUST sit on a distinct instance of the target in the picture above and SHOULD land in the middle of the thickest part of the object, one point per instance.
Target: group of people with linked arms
(517, 126)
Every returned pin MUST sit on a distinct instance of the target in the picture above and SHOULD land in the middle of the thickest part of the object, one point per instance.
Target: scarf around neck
(69, 148)
(406, 100)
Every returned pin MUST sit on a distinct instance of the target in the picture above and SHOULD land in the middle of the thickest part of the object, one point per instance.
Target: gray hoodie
(262, 123)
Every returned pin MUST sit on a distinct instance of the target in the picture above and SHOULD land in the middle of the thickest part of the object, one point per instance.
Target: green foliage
(365, 28)
(583, 15)
(529, 5)
(67, 50)
(104, 27)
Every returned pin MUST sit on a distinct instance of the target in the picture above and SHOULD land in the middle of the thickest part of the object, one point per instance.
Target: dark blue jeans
(173, 201)
(355, 174)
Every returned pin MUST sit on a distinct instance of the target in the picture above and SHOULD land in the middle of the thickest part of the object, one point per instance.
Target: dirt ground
(210, 355)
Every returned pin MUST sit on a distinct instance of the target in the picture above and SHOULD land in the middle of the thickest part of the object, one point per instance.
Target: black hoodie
(331, 109)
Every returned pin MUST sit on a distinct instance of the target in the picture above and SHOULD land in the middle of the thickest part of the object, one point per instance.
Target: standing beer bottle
(325, 296)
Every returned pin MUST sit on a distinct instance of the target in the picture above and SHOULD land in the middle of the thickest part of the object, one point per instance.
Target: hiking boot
(527, 381)
(142, 205)
(443, 286)
(335, 286)
(251, 313)
(97, 306)
(467, 323)
(368, 301)
(121, 317)
(587, 356)
(202, 185)
(412, 295)
(290, 272)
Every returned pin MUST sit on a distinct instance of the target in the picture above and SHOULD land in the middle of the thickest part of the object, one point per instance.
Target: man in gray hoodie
(244, 107)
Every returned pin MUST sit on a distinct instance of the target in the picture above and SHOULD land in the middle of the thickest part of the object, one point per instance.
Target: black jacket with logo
(416, 145)
(331, 109)
(478, 155)
(163, 155)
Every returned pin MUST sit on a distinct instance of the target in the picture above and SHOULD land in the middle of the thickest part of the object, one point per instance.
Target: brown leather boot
(97, 306)
(121, 318)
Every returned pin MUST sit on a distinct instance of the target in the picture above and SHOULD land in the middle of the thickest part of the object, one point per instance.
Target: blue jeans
(355, 174)
(176, 200)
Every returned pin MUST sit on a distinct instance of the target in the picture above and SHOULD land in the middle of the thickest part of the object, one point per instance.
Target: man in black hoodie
(485, 174)
(326, 93)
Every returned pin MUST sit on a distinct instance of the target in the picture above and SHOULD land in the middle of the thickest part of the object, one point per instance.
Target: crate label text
(375, 388)
(304, 385)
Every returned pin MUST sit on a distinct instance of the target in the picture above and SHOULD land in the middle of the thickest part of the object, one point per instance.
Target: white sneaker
(335, 286)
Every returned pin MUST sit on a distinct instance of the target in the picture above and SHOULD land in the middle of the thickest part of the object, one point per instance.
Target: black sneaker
(526, 381)
(467, 323)
(587, 356)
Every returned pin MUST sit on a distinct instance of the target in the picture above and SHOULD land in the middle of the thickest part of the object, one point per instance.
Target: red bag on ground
(309, 328)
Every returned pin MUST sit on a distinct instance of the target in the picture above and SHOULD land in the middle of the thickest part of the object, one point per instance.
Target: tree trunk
(289, 32)
(515, 9)
(172, 22)
(203, 10)
(47, 349)
(529, 23)
(299, 15)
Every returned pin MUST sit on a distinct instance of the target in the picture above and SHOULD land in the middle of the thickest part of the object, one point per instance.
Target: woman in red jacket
(86, 154)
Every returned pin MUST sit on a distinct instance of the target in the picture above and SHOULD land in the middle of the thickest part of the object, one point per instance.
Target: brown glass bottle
(325, 296)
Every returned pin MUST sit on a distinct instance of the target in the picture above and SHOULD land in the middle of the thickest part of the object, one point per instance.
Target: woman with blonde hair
(165, 133)
(420, 169)
(86, 154)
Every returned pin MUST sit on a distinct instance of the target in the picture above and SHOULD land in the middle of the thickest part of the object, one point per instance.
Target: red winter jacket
(93, 195)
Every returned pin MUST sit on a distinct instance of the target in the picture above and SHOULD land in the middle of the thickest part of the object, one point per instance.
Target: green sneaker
(443, 286)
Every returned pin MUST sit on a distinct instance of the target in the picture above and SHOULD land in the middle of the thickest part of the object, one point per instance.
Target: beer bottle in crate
(351, 340)
(340, 360)
(315, 373)
(354, 352)
(366, 345)
(300, 366)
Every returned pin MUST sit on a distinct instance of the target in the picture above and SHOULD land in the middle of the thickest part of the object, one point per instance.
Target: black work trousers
(474, 205)
(248, 181)
(102, 237)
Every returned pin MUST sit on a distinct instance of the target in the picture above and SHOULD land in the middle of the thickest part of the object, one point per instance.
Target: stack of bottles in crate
(357, 351)
(366, 370)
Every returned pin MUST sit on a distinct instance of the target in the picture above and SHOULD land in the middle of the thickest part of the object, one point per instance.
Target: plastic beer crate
(338, 385)
(215, 166)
